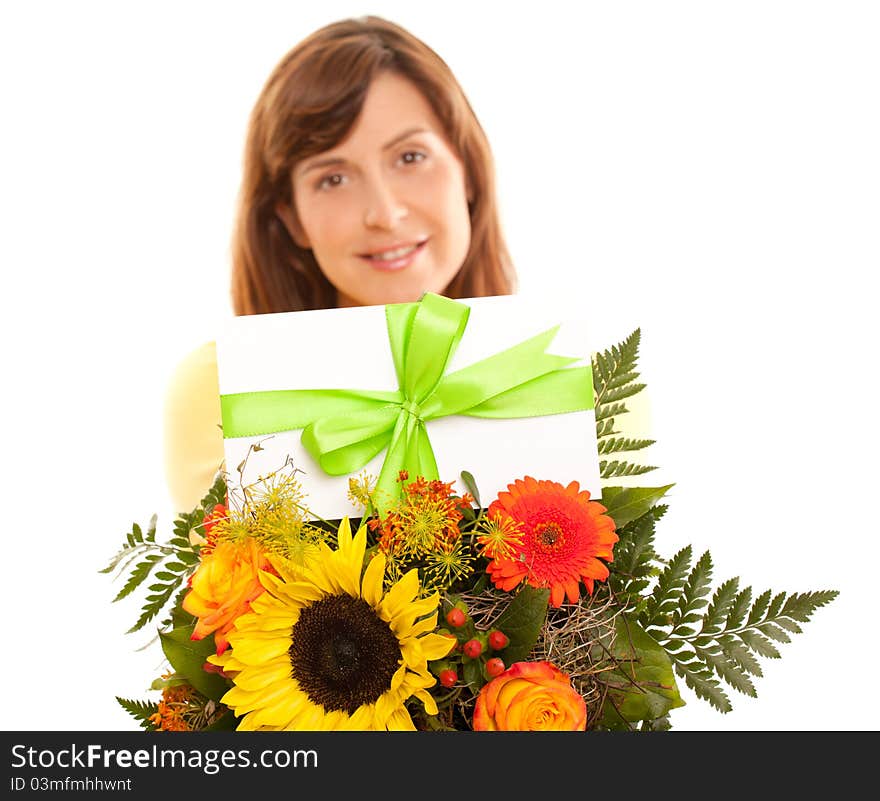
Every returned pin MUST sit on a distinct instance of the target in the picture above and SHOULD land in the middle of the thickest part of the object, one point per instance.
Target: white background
(707, 172)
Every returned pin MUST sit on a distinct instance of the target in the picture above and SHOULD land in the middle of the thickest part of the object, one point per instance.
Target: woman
(367, 180)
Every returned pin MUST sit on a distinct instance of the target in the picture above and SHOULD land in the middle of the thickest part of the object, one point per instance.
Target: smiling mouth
(394, 258)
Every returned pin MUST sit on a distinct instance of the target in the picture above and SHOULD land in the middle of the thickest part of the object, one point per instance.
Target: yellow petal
(436, 646)
(428, 700)
(400, 721)
(256, 652)
(423, 626)
(256, 678)
(371, 586)
(397, 599)
(403, 620)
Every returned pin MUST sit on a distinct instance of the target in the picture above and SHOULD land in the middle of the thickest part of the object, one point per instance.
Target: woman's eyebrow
(337, 161)
(330, 161)
(405, 135)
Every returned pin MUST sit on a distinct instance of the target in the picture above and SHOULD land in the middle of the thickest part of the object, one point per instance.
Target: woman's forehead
(394, 110)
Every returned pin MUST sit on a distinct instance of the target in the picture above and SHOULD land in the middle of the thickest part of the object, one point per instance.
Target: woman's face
(385, 212)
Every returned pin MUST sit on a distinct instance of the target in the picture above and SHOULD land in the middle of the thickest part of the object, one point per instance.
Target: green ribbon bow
(343, 429)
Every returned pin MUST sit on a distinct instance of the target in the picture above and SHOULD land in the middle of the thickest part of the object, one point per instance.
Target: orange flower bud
(530, 696)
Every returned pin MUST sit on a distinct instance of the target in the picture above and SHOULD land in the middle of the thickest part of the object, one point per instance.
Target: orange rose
(530, 696)
(222, 588)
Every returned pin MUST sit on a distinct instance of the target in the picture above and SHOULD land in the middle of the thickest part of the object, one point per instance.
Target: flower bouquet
(540, 608)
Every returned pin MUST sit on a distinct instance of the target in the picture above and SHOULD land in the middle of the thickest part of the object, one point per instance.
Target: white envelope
(349, 349)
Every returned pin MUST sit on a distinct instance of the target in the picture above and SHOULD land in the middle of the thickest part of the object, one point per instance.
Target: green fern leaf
(730, 673)
(623, 445)
(634, 557)
(774, 632)
(722, 601)
(704, 684)
(739, 609)
(615, 469)
(138, 575)
(215, 495)
(155, 603)
(607, 411)
(140, 711)
(695, 589)
(618, 360)
(759, 608)
(776, 605)
(789, 625)
(605, 428)
(133, 546)
(614, 395)
(800, 606)
(665, 597)
(619, 378)
(759, 643)
(736, 651)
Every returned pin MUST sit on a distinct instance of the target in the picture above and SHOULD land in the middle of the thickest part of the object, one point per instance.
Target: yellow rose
(222, 588)
(530, 696)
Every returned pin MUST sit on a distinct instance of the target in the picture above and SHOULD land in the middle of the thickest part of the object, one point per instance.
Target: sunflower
(564, 535)
(325, 648)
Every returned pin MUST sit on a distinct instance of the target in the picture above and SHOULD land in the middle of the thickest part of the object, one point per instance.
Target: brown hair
(308, 105)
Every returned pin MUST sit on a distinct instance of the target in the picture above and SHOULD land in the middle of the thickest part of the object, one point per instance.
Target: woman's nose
(384, 209)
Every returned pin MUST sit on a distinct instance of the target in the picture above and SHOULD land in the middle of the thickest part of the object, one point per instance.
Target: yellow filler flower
(325, 648)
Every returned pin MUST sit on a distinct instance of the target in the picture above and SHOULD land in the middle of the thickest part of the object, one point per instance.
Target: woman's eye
(331, 181)
(412, 157)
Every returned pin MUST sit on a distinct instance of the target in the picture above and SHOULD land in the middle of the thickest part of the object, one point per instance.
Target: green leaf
(774, 632)
(623, 444)
(473, 675)
(789, 625)
(759, 644)
(625, 504)
(471, 485)
(179, 616)
(668, 591)
(140, 711)
(697, 586)
(741, 655)
(759, 609)
(706, 687)
(722, 600)
(739, 609)
(731, 673)
(187, 657)
(605, 428)
(138, 576)
(801, 606)
(226, 722)
(521, 621)
(616, 469)
(612, 395)
(642, 686)
(609, 411)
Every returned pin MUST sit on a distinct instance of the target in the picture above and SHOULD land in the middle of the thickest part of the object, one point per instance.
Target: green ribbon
(343, 429)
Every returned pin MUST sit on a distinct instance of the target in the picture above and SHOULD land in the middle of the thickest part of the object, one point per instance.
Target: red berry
(498, 640)
(455, 617)
(473, 648)
(494, 667)
(448, 677)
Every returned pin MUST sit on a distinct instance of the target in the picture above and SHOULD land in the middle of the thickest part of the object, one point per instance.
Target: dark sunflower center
(548, 536)
(342, 653)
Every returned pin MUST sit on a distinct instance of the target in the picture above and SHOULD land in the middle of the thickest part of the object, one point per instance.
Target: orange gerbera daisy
(564, 536)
